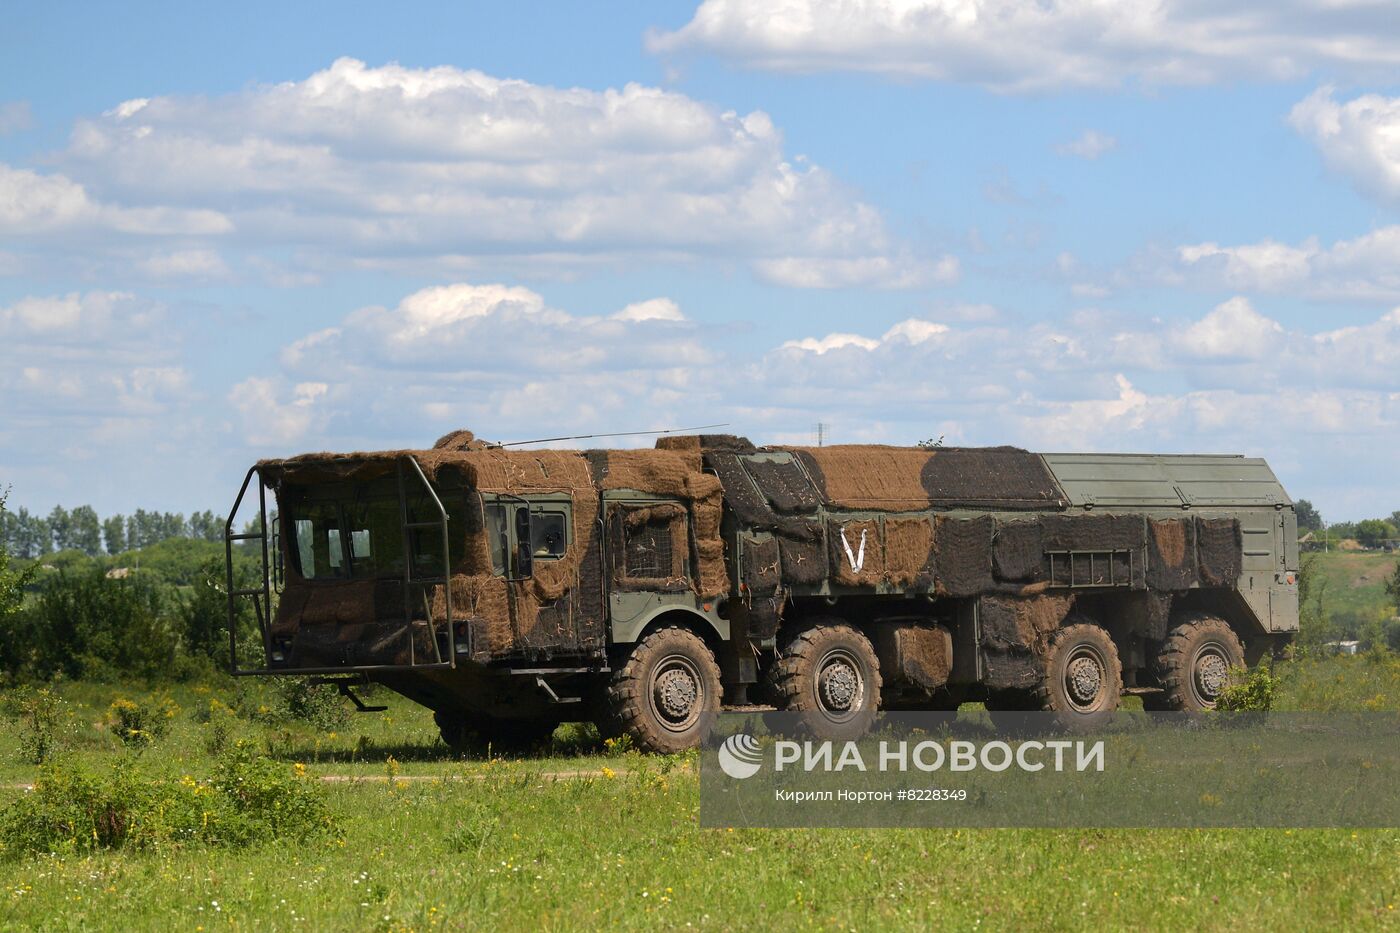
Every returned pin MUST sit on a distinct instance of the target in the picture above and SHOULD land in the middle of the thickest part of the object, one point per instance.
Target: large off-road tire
(1194, 665)
(667, 693)
(1083, 679)
(476, 732)
(829, 673)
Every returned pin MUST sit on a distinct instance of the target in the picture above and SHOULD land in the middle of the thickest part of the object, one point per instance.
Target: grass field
(437, 843)
(1353, 582)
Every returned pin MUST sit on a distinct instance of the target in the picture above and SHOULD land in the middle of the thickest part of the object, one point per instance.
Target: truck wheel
(829, 673)
(1083, 676)
(667, 694)
(476, 732)
(1194, 664)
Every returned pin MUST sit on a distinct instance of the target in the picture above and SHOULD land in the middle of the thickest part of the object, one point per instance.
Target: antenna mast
(580, 437)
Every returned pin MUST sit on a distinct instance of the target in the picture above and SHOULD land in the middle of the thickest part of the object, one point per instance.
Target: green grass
(1354, 582)
(517, 852)
(501, 844)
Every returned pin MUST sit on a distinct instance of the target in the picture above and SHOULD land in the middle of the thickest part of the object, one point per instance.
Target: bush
(321, 705)
(87, 626)
(1250, 692)
(138, 724)
(247, 800)
(40, 717)
(218, 725)
(267, 800)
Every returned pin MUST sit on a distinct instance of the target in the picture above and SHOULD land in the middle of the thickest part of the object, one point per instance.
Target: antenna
(580, 437)
(821, 433)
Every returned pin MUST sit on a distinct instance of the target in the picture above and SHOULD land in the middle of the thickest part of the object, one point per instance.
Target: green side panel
(1166, 480)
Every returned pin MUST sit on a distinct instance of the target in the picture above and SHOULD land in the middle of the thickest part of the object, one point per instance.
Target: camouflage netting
(460, 440)
(911, 479)
(909, 554)
(787, 504)
(1018, 551)
(1219, 550)
(654, 545)
(679, 474)
(1171, 554)
(962, 556)
(559, 610)
(1015, 635)
(856, 552)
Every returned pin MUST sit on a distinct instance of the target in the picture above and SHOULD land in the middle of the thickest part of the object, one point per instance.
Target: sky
(1073, 225)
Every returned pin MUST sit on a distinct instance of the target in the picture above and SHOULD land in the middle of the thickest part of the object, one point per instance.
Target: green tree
(85, 531)
(1392, 588)
(13, 627)
(114, 534)
(206, 526)
(1374, 531)
(32, 537)
(87, 625)
(12, 582)
(1309, 518)
(61, 528)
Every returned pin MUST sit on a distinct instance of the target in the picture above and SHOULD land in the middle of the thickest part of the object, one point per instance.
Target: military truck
(511, 590)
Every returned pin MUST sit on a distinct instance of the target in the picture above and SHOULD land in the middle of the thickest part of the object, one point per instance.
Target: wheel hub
(839, 684)
(1212, 675)
(1084, 679)
(676, 691)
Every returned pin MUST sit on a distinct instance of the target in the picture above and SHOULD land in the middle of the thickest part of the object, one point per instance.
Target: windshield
(355, 530)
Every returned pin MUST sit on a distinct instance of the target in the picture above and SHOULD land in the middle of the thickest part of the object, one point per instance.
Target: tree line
(65, 615)
(27, 535)
(1369, 532)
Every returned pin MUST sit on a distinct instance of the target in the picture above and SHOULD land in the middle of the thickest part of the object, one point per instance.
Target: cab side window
(650, 545)
(548, 539)
(549, 532)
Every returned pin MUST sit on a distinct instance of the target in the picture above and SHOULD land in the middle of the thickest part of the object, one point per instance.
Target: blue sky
(1063, 226)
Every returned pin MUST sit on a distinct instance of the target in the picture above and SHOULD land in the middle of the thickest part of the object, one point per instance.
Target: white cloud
(1233, 329)
(820, 345)
(1360, 138)
(87, 373)
(31, 203)
(1224, 380)
(1010, 45)
(197, 264)
(653, 309)
(915, 331)
(1366, 268)
(427, 313)
(1266, 265)
(77, 317)
(1088, 145)
(274, 414)
(871, 272)
(102, 368)
(485, 355)
(441, 167)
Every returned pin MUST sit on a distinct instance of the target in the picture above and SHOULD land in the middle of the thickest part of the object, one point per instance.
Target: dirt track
(569, 775)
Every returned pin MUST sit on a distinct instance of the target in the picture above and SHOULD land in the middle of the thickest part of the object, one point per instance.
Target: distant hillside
(1354, 584)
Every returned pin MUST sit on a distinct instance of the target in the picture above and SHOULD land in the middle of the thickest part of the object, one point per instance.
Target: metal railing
(261, 595)
(1101, 565)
